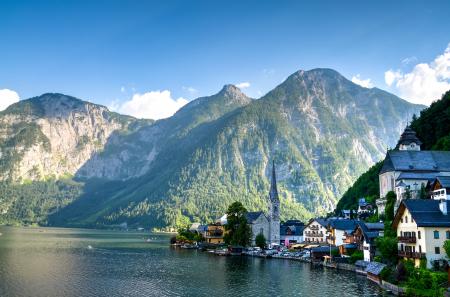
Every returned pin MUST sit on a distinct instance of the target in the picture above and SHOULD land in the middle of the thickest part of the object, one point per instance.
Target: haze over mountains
(321, 129)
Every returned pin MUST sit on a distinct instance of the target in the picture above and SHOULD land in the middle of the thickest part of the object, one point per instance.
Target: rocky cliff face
(53, 135)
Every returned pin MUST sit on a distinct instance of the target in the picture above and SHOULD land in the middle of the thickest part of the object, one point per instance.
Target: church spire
(273, 194)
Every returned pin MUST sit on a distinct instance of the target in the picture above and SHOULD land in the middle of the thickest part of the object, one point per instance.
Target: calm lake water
(73, 262)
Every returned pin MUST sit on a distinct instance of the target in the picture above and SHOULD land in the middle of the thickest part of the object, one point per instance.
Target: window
(406, 219)
(447, 234)
(418, 234)
(420, 249)
(401, 220)
(436, 234)
(437, 250)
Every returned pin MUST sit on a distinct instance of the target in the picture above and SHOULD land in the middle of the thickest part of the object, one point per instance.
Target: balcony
(413, 255)
(407, 239)
(439, 194)
(310, 234)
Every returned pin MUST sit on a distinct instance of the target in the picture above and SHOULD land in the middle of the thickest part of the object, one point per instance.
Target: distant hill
(432, 128)
(321, 129)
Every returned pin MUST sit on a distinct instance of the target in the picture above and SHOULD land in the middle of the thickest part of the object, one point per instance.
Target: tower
(274, 210)
(409, 141)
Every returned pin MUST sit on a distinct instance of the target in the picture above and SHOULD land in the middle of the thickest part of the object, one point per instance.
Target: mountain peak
(231, 89)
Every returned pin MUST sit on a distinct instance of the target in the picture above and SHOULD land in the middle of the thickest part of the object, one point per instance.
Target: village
(405, 249)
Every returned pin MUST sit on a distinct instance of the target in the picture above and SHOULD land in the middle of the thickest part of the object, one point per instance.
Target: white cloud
(409, 60)
(7, 97)
(243, 85)
(366, 83)
(151, 105)
(122, 89)
(425, 83)
(190, 90)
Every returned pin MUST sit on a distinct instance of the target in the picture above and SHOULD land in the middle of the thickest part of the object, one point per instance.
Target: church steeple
(409, 141)
(273, 194)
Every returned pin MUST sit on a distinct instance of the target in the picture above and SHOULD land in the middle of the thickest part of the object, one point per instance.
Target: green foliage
(356, 255)
(365, 186)
(260, 241)
(31, 203)
(423, 282)
(433, 125)
(238, 231)
(391, 198)
(447, 248)
(388, 249)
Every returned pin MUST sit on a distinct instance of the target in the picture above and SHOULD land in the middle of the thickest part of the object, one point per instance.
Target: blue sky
(108, 51)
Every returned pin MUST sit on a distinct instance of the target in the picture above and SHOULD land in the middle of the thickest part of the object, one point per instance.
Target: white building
(316, 231)
(423, 225)
(407, 170)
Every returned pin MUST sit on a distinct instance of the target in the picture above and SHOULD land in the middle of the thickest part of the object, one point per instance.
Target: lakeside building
(214, 233)
(337, 230)
(422, 226)
(291, 232)
(363, 236)
(316, 231)
(408, 170)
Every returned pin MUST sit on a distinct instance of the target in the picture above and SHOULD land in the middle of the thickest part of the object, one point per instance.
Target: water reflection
(58, 262)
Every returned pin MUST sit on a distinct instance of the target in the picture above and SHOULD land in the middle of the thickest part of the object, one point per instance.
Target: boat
(189, 246)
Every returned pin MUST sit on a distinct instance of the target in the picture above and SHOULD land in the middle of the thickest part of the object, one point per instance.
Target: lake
(78, 262)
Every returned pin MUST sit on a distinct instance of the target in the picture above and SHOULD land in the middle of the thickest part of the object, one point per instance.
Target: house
(440, 188)
(364, 237)
(373, 271)
(408, 170)
(214, 233)
(337, 230)
(346, 213)
(316, 231)
(291, 232)
(364, 208)
(422, 226)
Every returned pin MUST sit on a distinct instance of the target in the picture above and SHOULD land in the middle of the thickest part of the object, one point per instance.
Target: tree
(447, 248)
(260, 240)
(388, 248)
(423, 192)
(391, 198)
(238, 231)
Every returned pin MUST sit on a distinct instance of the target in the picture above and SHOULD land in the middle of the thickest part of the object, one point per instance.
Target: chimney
(443, 206)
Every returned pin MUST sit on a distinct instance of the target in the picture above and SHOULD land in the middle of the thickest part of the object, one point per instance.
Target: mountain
(53, 135)
(321, 129)
(432, 128)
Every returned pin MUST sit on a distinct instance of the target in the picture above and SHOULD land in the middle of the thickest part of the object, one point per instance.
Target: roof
(370, 230)
(349, 246)
(409, 136)
(425, 212)
(253, 216)
(362, 263)
(343, 224)
(297, 230)
(321, 221)
(431, 161)
(444, 181)
(323, 249)
(375, 268)
(418, 175)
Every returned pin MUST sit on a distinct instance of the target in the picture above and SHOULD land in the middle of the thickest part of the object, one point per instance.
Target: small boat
(189, 246)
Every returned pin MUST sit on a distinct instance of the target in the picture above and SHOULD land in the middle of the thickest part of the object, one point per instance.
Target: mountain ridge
(319, 127)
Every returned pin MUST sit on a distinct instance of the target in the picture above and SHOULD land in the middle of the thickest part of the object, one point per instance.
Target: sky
(149, 58)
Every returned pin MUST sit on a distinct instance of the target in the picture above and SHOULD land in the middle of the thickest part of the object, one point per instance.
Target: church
(408, 170)
(268, 225)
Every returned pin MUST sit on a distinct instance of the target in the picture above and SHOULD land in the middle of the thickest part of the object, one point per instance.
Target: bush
(357, 255)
